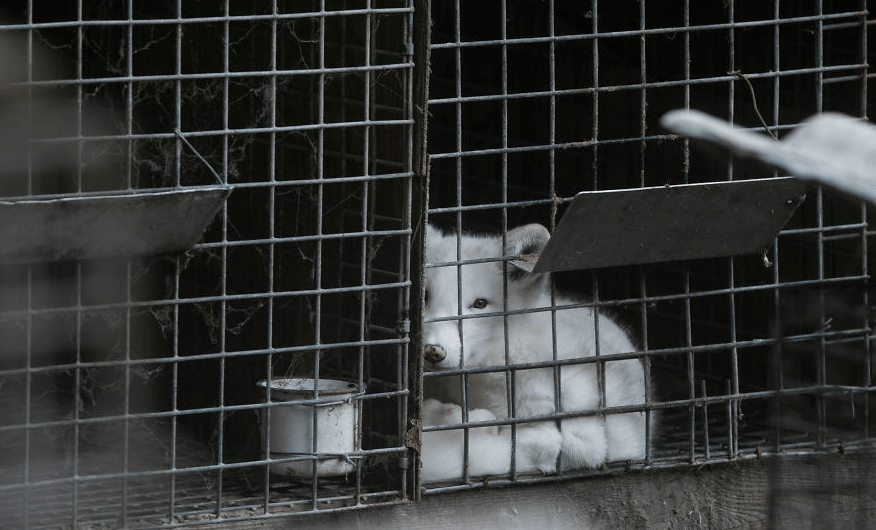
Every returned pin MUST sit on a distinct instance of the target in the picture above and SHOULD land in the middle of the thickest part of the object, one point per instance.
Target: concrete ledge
(795, 492)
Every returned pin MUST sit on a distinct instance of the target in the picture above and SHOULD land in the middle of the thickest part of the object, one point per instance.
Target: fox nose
(434, 353)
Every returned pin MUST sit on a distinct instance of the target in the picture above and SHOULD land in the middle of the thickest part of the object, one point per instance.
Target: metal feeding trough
(106, 226)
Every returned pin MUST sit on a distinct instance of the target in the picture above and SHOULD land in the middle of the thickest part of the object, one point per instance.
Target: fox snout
(434, 353)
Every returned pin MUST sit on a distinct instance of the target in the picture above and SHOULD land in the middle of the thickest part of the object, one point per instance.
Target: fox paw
(538, 448)
(583, 449)
(438, 413)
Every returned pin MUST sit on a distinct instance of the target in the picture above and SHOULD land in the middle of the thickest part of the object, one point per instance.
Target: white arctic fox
(479, 342)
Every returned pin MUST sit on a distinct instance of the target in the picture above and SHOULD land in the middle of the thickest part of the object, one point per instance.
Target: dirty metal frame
(263, 505)
(697, 402)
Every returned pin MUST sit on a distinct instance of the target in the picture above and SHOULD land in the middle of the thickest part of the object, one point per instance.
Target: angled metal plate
(669, 223)
(91, 227)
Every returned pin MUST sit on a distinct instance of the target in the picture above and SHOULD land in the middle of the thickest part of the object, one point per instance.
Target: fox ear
(526, 242)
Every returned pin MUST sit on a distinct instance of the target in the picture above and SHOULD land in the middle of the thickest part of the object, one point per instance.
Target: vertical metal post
(643, 289)
(272, 221)
(777, 310)
(599, 365)
(174, 391)
(320, 173)
(77, 375)
(28, 386)
(418, 205)
(687, 292)
(464, 377)
(867, 343)
(510, 375)
(365, 248)
(552, 193)
(223, 282)
(822, 349)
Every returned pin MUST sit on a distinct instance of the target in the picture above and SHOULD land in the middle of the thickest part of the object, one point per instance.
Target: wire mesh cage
(129, 386)
(144, 384)
(534, 102)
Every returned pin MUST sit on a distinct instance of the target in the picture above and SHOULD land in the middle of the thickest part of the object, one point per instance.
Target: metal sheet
(668, 223)
(106, 226)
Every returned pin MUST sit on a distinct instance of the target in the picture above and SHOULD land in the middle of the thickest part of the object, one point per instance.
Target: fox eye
(480, 303)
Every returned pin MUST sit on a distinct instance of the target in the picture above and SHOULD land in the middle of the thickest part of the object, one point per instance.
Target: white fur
(586, 441)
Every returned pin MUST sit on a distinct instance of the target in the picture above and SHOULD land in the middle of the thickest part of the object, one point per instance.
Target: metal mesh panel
(128, 392)
(533, 102)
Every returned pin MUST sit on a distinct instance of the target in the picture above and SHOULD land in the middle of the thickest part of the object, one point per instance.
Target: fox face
(465, 301)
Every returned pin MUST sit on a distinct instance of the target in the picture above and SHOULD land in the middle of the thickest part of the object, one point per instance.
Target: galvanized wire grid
(532, 102)
(128, 387)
